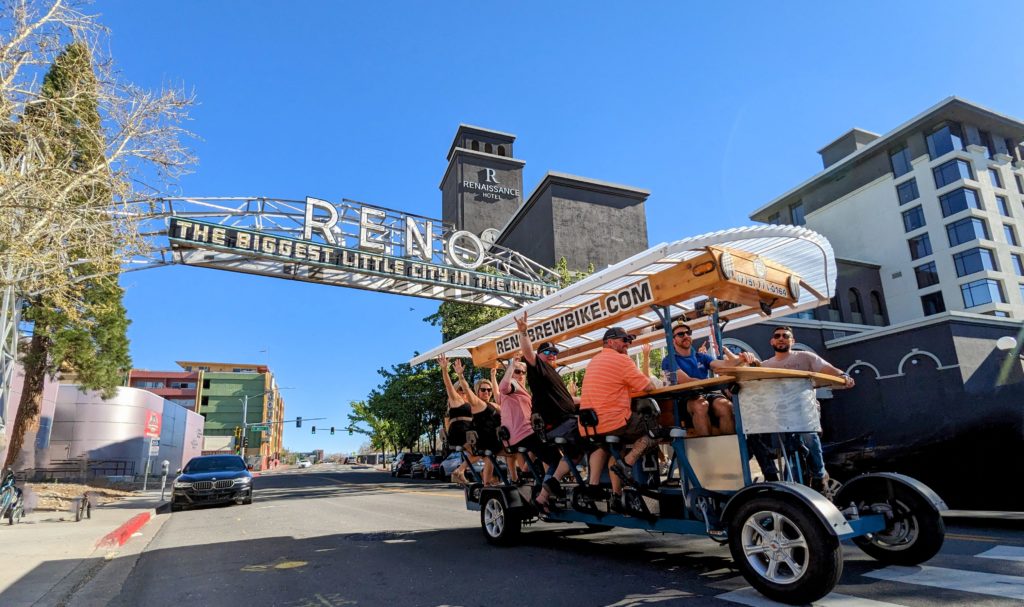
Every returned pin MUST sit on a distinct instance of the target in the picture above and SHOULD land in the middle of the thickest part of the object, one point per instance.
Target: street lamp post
(245, 411)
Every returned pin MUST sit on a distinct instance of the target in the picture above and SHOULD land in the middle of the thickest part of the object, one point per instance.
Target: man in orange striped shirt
(611, 376)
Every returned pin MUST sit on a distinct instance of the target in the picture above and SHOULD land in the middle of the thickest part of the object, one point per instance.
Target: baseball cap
(618, 332)
(547, 346)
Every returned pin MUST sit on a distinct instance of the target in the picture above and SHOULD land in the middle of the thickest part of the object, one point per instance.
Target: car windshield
(214, 464)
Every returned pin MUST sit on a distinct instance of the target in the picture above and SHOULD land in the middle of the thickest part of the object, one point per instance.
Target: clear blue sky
(715, 110)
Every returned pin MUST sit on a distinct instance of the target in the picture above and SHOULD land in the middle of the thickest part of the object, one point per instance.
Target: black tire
(175, 507)
(595, 528)
(915, 532)
(500, 525)
(759, 536)
(248, 498)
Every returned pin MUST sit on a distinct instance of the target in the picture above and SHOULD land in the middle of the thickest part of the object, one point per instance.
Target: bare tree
(73, 190)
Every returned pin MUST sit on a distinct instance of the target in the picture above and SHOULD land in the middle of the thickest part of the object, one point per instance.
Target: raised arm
(646, 355)
(453, 396)
(471, 396)
(525, 345)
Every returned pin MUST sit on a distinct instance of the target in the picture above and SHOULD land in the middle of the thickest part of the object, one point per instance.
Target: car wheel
(784, 551)
(248, 498)
(501, 526)
(175, 507)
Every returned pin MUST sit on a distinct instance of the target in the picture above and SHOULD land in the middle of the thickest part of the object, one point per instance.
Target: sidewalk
(49, 555)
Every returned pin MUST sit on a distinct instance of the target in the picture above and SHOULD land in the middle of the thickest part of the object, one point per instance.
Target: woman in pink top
(516, 407)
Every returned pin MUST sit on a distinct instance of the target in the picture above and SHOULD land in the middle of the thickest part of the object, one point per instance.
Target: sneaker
(625, 472)
(615, 504)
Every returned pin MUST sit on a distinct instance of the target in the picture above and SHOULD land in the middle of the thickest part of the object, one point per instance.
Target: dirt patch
(59, 496)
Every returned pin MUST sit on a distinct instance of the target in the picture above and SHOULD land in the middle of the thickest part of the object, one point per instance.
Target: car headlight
(242, 481)
(182, 485)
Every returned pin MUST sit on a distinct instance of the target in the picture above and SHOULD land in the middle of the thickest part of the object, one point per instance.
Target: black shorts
(457, 432)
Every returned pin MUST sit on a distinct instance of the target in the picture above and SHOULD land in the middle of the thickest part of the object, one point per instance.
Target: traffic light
(332, 430)
(245, 442)
(238, 440)
(298, 422)
(314, 429)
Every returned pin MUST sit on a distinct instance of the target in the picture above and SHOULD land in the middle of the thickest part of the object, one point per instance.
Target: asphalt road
(330, 536)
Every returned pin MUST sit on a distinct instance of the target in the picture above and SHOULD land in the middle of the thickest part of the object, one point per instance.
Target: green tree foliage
(89, 340)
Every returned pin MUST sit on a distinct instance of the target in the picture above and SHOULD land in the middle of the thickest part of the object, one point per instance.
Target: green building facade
(222, 399)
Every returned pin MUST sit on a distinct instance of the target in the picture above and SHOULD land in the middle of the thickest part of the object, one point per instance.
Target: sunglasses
(684, 333)
(485, 390)
(781, 336)
(550, 352)
(518, 372)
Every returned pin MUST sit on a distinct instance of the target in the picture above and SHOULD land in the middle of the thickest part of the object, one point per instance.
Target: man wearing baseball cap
(554, 403)
(611, 377)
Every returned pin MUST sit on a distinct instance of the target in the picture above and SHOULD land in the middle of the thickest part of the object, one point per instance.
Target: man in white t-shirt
(782, 341)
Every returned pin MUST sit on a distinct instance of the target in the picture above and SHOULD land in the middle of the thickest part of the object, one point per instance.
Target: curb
(122, 534)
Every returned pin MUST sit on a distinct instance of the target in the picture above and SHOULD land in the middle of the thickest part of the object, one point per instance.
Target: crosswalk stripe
(1006, 553)
(993, 584)
(751, 597)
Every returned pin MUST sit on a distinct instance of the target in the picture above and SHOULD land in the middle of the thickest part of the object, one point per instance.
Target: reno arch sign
(360, 246)
(374, 235)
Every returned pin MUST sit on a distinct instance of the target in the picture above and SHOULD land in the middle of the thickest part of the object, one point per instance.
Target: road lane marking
(386, 489)
(751, 597)
(1006, 553)
(974, 538)
(992, 584)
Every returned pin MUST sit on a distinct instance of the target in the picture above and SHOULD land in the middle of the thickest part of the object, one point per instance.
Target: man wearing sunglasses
(782, 341)
(554, 403)
(694, 365)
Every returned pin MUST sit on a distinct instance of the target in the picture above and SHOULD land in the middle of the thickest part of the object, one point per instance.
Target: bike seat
(588, 418)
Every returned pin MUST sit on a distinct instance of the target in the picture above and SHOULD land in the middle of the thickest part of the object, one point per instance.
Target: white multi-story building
(937, 204)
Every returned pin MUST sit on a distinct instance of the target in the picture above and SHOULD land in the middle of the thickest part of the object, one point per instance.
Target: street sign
(154, 446)
(260, 428)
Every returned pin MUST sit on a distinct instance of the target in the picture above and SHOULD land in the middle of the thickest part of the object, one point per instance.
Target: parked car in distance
(428, 466)
(212, 479)
(304, 463)
(454, 460)
(402, 464)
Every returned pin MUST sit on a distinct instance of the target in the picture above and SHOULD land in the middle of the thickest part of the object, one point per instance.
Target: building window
(149, 384)
(927, 275)
(1021, 288)
(501, 150)
(1003, 204)
(981, 292)
(475, 145)
(932, 303)
(877, 310)
(1018, 263)
(993, 176)
(913, 219)
(920, 246)
(974, 260)
(1011, 235)
(796, 213)
(966, 230)
(1020, 183)
(188, 367)
(206, 384)
(488, 148)
(833, 310)
(900, 162)
(202, 368)
(183, 385)
(907, 191)
(774, 219)
(959, 200)
(856, 310)
(986, 142)
(205, 401)
(952, 171)
(944, 140)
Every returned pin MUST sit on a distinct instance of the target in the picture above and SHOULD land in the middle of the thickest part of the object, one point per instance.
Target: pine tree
(89, 341)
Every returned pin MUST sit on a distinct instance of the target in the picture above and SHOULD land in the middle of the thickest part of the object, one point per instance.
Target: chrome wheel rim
(494, 518)
(775, 547)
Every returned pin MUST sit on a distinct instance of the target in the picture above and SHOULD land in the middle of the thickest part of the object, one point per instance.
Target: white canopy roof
(804, 252)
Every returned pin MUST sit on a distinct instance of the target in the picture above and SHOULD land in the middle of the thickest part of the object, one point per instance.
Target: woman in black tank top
(468, 411)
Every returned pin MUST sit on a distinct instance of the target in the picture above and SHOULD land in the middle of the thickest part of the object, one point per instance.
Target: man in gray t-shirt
(782, 341)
